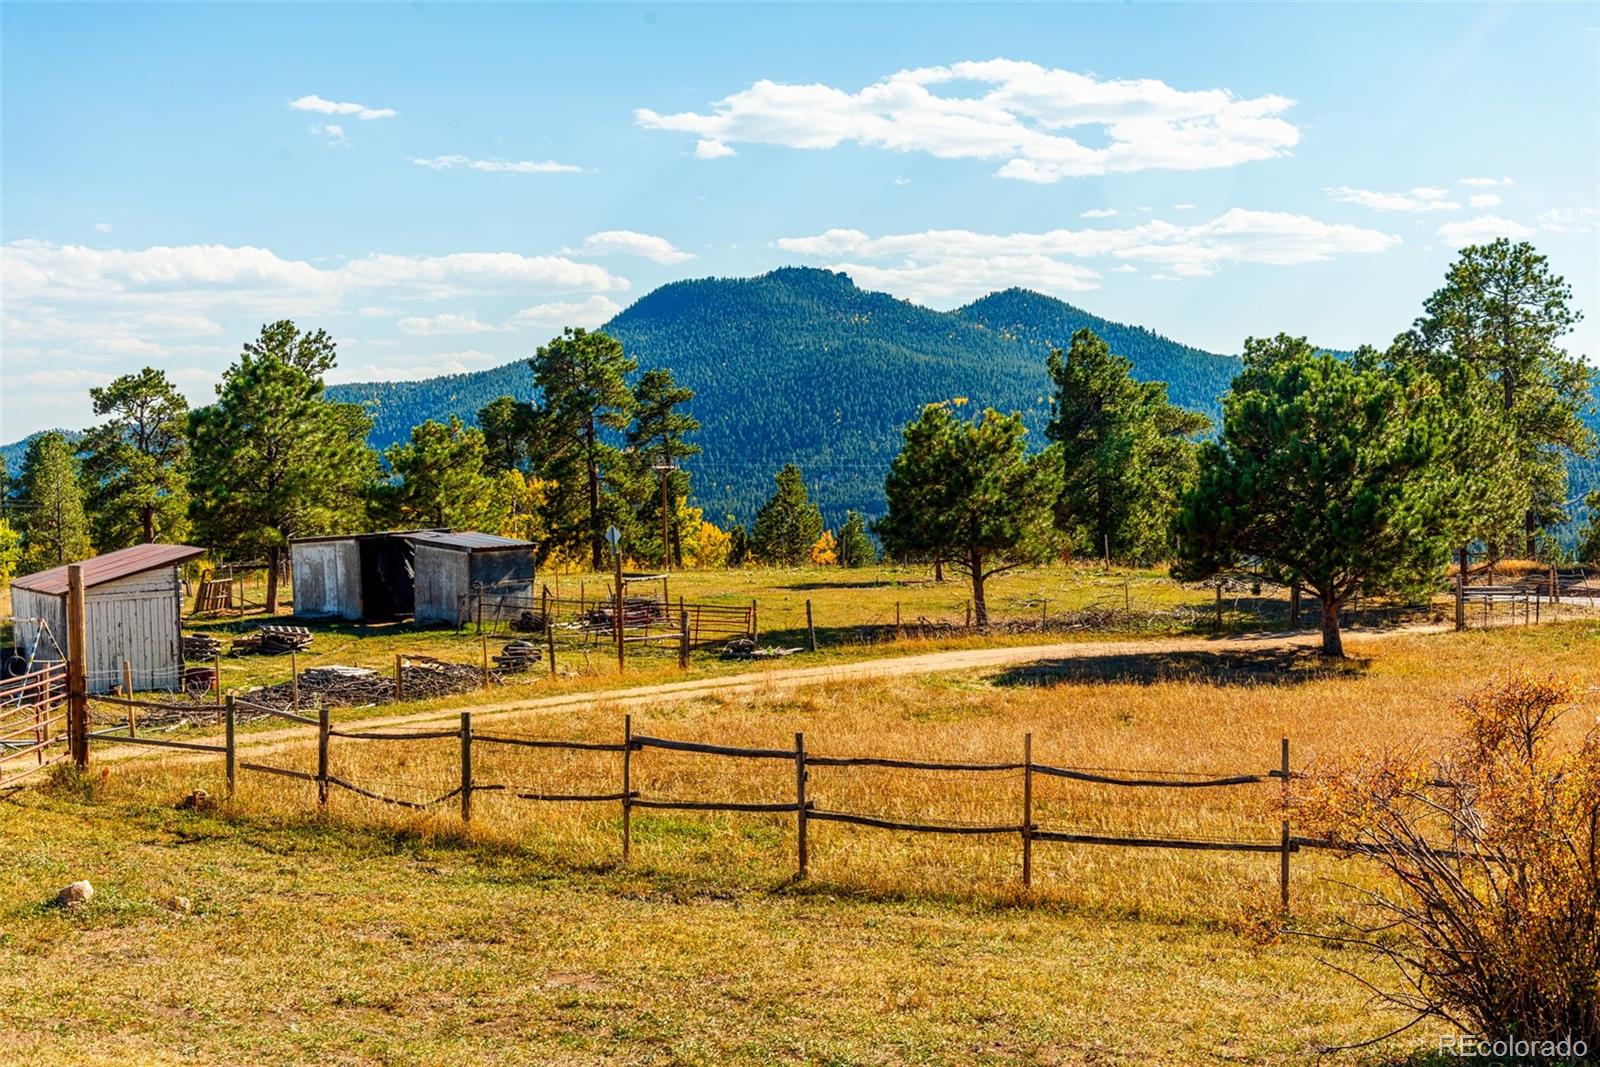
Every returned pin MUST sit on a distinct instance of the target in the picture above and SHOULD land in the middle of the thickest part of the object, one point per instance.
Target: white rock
(75, 895)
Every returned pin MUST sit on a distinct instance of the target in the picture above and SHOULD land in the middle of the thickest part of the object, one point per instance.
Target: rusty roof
(98, 570)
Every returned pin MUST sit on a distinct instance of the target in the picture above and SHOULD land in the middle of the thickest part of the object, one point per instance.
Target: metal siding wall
(327, 579)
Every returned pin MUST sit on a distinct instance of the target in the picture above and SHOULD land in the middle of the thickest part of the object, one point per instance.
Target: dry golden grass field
(258, 930)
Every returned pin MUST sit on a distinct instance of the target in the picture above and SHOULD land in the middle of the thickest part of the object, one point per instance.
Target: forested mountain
(801, 366)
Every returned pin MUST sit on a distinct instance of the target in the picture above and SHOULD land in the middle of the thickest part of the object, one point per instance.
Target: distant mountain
(801, 365)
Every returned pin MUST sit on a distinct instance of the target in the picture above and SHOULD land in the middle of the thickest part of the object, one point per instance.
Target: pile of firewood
(517, 656)
(341, 686)
(201, 647)
(273, 641)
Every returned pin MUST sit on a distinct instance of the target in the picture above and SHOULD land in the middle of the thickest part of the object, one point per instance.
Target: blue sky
(443, 187)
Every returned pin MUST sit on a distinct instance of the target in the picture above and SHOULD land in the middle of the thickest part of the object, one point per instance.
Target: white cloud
(1124, 268)
(1021, 120)
(1422, 198)
(1480, 229)
(1099, 213)
(425, 326)
(1570, 220)
(373, 311)
(902, 181)
(331, 133)
(553, 316)
(330, 107)
(1486, 183)
(1484, 199)
(451, 275)
(64, 378)
(1183, 207)
(632, 243)
(102, 227)
(498, 166)
(945, 266)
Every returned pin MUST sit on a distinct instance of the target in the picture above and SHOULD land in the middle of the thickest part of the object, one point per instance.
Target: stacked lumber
(274, 641)
(201, 646)
(517, 656)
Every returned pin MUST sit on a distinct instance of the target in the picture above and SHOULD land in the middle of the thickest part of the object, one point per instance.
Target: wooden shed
(361, 577)
(133, 611)
(452, 567)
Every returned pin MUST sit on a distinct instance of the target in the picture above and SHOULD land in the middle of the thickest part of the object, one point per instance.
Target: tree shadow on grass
(1265, 666)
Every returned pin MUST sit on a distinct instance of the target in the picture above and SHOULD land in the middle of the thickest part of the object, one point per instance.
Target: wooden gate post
(627, 786)
(550, 642)
(811, 628)
(323, 727)
(800, 800)
(77, 669)
(466, 766)
(1027, 810)
(683, 639)
(229, 757)
(1283, 854)
(127, 694)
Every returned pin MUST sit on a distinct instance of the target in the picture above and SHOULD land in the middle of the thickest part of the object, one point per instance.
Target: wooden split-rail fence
(1279, 842)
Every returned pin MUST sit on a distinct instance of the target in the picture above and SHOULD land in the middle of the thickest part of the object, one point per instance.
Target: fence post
(485, 641)
(755, 622)
(216, 666)
(323, 726)
(1127, 599)
(621, 602)
(466, 766)
(1219, 606)
(550, 642)
(1294, 603)
(898, 630)
(1283, 854)
(969, 617)
(683, 639)
(480, 607)
(801, 821)
(627, 786)
(811, 628)
(127, 694)
(1044, 614)
(229, 756)
(77, 669)
(294, 680)
(1027, 810)
(399, 679)
(1461, 601)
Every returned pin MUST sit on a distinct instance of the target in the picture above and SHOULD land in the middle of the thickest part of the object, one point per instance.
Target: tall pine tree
(273, 458)
(135, 463)
(659, 441)
(788, 524)
(439, 480)
(54, 527)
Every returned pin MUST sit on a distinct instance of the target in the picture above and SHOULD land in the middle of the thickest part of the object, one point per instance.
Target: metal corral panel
(137, 618)
(327, 578)
(443, 582)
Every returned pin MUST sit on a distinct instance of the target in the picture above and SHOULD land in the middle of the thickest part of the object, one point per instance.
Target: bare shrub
(1490, 912)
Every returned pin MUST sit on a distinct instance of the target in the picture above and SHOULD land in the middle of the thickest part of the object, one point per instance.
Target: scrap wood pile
(637, 611)
(517, 656)
(527, 622)
(201, 646)
(273, 641)
(421, 678)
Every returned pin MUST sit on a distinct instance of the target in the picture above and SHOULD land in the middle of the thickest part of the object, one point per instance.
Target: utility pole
(665, 469)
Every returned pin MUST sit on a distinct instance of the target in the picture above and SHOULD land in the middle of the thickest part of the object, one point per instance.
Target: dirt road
(773, 680)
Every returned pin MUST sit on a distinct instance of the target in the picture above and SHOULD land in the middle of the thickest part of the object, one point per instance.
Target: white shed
(133, 605)
(452, 567)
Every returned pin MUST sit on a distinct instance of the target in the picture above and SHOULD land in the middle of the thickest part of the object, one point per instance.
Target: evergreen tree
(738, 543)
(658, 440)
(440, 481)
(788, 524)
(969, 492)
(1492, 334)
(1127, 452)
(507, 425)
(1328, 476)
(135, 463)
(582, 377)
(1589, 539)
(273, 458)
(10, 551)
(855, 547)
(55, 529)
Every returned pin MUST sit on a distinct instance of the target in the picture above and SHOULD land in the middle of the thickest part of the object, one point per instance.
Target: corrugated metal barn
(361, 577)
(451, 568)
(133, 607)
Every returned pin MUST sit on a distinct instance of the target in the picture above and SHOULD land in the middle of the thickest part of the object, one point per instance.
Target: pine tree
(582, 378)
(788, 524)
(507, 425)
(135, 463)
(738, 543)
(1491, 333)
(1328, 476)
(440, 481)
(1127, 452)
(659, 439)
(970, 492)
(1589, 539)
(855, 547)
(55, 529)
(273, 458)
